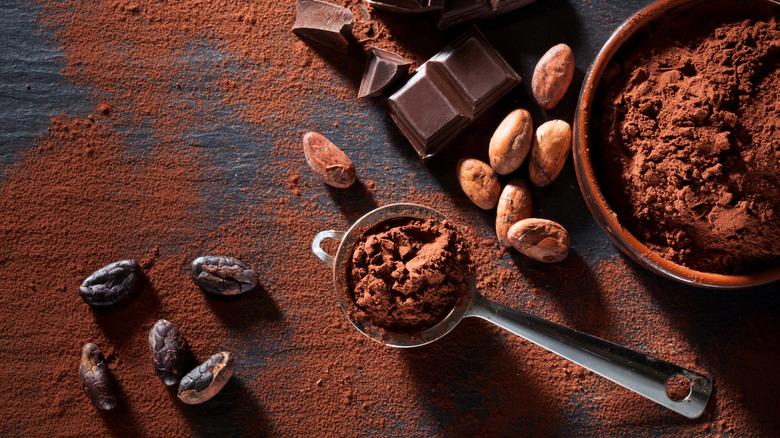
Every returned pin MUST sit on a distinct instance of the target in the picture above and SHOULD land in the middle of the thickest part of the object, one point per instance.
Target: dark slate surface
(521, 36)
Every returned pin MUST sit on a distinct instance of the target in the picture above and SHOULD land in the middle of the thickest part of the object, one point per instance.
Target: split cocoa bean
(552, 76)
(479, 182)
(514, 205)
(540, 239)
(511, 142)
(328, 161)
(549, 151)
(207, 379)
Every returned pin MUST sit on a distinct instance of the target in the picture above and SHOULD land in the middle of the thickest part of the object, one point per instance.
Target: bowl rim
(586, 176)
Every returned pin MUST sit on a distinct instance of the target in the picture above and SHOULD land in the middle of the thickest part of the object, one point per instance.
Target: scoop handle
(643, 374)
(322, 235)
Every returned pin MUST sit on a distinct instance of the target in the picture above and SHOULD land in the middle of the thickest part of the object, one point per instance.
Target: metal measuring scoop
(638, 372)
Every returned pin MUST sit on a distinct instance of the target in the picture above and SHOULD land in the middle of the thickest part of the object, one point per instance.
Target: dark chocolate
(469, 11)
(324, 23)
(449, 91)
(382, 70)
(407, 6)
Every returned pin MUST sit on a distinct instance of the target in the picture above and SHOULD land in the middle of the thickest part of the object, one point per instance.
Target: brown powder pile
(690, 139)
(406, 275)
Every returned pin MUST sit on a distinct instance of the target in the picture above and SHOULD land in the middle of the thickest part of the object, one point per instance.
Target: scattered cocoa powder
(405, 275)
(143, 178)
(690, 137)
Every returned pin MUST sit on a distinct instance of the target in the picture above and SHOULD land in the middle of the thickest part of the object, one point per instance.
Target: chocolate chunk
(325, 23)
(408, 6)
(382, 70)
(469, 11)
(451, 90)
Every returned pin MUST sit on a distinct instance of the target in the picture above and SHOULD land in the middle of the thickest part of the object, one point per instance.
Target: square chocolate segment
(426, 112)
(477, 69)
(451, 90)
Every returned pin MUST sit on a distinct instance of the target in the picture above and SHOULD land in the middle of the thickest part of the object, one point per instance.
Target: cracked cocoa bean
(167, 346)
(112, 284)
(223, 275)
(207, 379)
(95, 378)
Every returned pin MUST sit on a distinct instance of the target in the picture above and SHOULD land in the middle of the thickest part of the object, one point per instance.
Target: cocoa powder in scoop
(690, 138)
(405, 275)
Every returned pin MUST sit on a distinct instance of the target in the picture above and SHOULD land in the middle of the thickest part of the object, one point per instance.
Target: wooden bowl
(607, 219)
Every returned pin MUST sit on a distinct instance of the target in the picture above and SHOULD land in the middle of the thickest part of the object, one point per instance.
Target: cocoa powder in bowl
(405, 275)
(687, 137)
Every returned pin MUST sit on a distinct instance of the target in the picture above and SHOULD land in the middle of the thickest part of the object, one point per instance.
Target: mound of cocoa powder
(406, 275)
(688, 137)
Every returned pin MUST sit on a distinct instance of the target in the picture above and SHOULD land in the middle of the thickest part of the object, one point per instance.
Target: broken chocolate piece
(449, 91)
(407, 6)
(469, 11)
(324, 23)
(382, 70)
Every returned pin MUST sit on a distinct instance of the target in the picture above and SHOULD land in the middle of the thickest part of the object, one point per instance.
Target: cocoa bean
(113, 284)
(223, 275)
(328, 162)
(96, 379)
(479, 182)
(549, 151)
(514, 205)
(540, 239)
(511, 142)
(552, 76)
(207, 379)
(167, 346)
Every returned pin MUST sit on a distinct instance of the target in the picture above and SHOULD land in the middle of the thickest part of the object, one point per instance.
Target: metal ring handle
(319, 252)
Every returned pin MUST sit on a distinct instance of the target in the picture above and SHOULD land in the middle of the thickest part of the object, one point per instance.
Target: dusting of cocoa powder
(690, 138)
(405, 275)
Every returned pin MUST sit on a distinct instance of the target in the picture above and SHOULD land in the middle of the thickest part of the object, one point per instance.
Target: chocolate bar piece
(450, 91)
(382, 70)
(408, 6)
(325, 23)
(469, 11)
